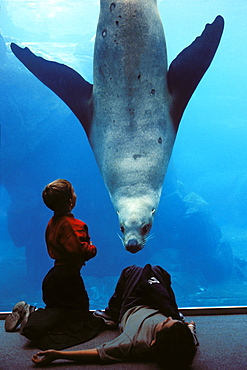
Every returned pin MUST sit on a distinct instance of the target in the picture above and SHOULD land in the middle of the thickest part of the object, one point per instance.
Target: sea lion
(132, 111)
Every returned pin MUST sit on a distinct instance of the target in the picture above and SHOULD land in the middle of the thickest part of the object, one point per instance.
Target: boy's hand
(45, 357)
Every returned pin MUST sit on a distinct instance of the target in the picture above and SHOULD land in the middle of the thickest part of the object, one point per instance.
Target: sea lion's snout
(133, 246)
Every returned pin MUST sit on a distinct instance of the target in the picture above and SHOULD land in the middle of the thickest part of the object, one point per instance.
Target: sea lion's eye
(145, 229)
(122, 228)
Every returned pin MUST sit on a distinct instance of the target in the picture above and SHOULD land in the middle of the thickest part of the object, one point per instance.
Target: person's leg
(159, 292)
(165, 280)
(64, 293)
(43, 320)
(125, 295)
(63, 287)
(135, 288)
(148, 285)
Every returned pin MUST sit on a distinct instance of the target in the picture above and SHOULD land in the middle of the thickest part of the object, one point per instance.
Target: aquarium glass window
(199, 234)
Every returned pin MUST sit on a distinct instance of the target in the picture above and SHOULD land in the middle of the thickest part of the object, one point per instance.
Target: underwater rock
(190, 229)
(202, 239)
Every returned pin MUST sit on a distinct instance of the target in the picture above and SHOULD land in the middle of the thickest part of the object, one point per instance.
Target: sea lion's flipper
(188, 68)
(64, 81)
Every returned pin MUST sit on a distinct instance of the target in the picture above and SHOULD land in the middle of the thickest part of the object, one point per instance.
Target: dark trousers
(66, 299)
(63, 287)
(134, 288)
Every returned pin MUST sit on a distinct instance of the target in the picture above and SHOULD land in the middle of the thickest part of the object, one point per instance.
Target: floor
(223, 346)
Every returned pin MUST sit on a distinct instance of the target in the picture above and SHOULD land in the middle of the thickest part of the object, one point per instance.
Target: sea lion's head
(135, 219)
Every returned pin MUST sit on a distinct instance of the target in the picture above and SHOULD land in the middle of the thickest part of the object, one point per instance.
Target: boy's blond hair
(57, 195)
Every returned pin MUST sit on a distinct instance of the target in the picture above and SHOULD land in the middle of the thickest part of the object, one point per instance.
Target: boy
(64, 293)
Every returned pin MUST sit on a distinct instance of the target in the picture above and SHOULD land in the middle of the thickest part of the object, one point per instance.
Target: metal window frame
(192, 311)
(208, 311)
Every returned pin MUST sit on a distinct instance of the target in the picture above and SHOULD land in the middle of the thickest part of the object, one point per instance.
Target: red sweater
(68, 241)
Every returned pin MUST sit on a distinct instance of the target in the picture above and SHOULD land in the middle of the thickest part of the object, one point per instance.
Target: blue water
(200, 230)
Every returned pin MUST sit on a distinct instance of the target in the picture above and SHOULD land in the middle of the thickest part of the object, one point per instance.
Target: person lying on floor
(151, 326)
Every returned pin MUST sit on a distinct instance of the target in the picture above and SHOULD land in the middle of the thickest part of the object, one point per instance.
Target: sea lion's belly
(131, 101)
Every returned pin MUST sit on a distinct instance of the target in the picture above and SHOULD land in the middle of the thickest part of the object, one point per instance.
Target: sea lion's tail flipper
(64, 81)
(188, 68)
